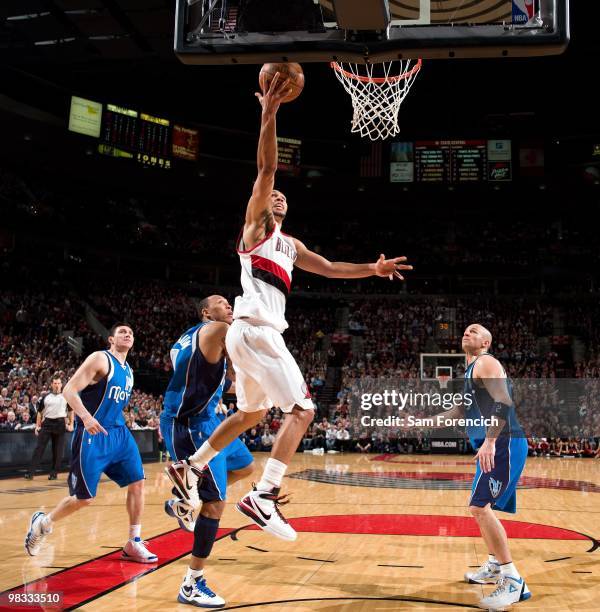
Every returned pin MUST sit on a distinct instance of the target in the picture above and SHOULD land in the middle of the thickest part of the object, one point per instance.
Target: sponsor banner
(185, 143)
(85, 117)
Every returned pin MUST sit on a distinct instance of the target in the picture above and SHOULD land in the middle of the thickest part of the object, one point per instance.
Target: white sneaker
(179, 509)
(185, 476)
(197, 593)
(135, 550)
(488, 573)
(509, 591)
(262, 508)
(36, 534)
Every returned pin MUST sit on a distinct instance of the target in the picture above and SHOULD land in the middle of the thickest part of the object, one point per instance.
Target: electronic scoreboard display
(468, 161)
(154, 136)
(450, 161)
(120, 127)
(153, 140)
(289, 155)
(432, 161)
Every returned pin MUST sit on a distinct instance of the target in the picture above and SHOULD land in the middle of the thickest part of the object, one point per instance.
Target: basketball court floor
(375, 533)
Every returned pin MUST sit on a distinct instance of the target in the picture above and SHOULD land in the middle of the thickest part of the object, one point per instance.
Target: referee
(54, 417)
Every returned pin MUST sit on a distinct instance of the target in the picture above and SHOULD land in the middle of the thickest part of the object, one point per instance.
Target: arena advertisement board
(185, 143)
(402, 162)
(85, 117)
(499, 160)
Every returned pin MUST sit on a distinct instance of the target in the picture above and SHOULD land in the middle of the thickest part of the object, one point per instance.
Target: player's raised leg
(266, 373)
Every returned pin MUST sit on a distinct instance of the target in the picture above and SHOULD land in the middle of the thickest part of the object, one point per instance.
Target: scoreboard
(445, 161)
(152, 140)
(469, 161)
(155, 136)
(133, 131)
(289, 155)
(120, 127)
(432, 162)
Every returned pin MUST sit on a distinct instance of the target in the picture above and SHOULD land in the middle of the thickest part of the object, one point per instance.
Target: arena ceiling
(82, 31)
(122, 50)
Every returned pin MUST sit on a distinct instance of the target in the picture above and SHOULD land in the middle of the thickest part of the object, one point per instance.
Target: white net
(377, 92)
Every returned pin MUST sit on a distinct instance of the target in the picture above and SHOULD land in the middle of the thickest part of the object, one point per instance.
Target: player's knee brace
(205, 533)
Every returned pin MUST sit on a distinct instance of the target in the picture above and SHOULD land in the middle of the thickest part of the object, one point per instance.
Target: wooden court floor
(375, 533)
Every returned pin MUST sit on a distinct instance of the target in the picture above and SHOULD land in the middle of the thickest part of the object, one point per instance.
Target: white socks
(203, 455)
(134, 531)
(193, 574)
(492, 560)
(509, 569)
(272, 476)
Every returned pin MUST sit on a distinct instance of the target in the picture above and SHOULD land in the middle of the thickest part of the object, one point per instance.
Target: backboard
(366, 31)
(434, 365)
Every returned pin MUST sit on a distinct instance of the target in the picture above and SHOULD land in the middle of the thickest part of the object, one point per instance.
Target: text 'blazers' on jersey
(266, 280)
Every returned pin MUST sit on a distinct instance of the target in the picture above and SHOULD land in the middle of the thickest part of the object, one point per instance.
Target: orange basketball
(290, 70)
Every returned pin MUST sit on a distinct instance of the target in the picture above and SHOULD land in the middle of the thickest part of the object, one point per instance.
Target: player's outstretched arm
(259, 217)
(312, 262)
(89, 372)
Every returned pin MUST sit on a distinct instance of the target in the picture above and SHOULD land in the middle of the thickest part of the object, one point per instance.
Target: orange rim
(378, 80)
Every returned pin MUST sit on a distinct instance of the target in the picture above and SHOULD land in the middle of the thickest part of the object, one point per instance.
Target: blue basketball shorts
(184, 440)
(499, 487)
(115, 454)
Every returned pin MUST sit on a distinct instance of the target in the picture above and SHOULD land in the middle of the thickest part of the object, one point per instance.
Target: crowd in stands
(384, 336)
(179, 226)
(378, 337)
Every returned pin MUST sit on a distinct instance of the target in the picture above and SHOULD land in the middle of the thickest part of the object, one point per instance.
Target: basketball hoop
(376, 100)
(443, 380)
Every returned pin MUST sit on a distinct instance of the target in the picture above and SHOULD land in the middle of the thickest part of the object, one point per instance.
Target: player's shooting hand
(93, 427)
(485, 455)
(391, 267)
(271, 97)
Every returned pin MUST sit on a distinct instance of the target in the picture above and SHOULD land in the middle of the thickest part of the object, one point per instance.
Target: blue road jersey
(106, 399)
(115, 453)
(482, 407)
(196, 385)
(499, 486)
(189, 416)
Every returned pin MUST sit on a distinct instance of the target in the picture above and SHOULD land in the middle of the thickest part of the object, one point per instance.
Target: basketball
(290, 70)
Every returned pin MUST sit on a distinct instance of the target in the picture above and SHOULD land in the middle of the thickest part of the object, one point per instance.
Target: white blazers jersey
(266, 280)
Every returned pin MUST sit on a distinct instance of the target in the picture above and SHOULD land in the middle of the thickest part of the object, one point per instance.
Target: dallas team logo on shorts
(495, 487)
(73, 481)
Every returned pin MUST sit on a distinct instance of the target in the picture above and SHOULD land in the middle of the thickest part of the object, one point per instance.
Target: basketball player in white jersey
(266, 373)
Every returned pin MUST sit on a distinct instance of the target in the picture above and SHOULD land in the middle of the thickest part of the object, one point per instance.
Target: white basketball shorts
(266, 374)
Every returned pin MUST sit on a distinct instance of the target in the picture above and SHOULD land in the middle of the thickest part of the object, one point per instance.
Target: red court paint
(94, 578)
(91, 578)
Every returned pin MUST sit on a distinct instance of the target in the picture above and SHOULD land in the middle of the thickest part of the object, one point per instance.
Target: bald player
(501, 455)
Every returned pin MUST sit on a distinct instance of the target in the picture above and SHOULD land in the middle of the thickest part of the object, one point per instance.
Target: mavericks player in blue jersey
(501, 455)
(98, 393)
(188, 419)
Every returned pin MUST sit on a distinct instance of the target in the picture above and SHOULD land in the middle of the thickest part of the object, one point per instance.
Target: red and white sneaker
(262, 508)
(135, 550)
(185, 477)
